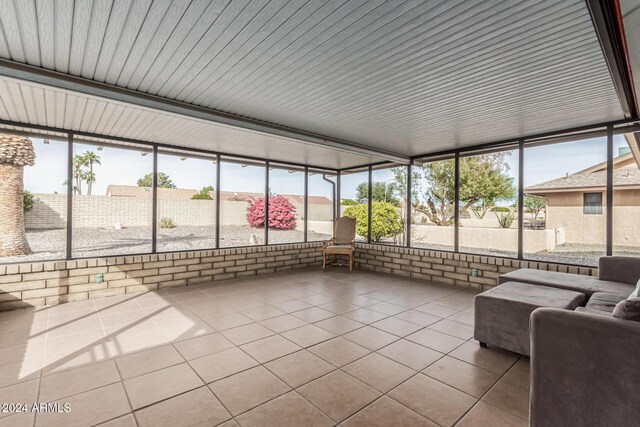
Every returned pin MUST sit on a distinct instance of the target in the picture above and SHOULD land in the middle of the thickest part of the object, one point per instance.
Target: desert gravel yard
(89, 242)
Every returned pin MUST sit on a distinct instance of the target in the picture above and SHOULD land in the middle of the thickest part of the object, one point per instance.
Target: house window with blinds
(592, 204)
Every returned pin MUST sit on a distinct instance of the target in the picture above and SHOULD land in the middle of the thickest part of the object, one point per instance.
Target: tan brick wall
(49, 283)
(449, 268)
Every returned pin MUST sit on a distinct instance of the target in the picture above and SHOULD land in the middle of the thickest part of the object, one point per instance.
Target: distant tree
(78, 164)
(163, 181)
(90, 158)
(534, 205)
(348, 202)
(380, 192)
(484, 179)
(204, 193)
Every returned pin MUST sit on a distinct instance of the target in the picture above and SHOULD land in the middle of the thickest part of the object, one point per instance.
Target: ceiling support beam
(54, 79)
(607, 21)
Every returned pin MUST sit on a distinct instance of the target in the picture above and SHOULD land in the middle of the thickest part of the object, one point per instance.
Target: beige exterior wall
(565, 215)
(626, 218)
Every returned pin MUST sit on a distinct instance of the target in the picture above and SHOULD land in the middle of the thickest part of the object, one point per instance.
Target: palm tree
(15, 153)
(89, 178)
(78, 163)
(90, 158)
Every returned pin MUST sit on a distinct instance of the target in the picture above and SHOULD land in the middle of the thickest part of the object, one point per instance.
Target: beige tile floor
(293, 349)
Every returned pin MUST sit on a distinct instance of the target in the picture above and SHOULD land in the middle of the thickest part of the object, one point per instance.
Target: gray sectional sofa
(585, 363)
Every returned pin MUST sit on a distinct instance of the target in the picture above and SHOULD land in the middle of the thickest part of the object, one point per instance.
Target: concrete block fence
(55, 282)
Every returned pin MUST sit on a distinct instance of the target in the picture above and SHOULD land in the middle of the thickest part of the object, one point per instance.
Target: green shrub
(204, 194)
(27, 198)
(349, 202)
(385, 220)
(166, 222)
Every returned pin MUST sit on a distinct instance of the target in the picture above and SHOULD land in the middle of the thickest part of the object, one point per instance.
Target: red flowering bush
(282, 214)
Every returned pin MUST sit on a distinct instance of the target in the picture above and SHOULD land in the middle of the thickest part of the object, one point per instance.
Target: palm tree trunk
(90, 177)
(13, 239)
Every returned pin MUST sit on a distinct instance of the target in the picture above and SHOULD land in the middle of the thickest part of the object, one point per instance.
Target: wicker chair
(342, 243)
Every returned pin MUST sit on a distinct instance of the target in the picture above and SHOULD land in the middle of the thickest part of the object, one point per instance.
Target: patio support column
(336, 202)
(370, 206)
(154, 206)
(219, 166)
(407, 237)
(609, 211)
(456, 212)
(69, 195)
(520, 198)
(266, 202)
(306, 203)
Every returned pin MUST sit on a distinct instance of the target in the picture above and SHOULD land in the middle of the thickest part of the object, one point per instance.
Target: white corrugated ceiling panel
(411, 76)
(39, 105)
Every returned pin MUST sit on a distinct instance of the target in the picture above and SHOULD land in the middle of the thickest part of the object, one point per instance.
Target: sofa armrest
(584, 369)
(624, 269)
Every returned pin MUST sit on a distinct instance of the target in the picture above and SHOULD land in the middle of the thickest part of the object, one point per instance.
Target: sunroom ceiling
(46, 106)
(410, 76)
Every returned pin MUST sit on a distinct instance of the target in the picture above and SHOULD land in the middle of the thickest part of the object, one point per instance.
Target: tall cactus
(15, 153)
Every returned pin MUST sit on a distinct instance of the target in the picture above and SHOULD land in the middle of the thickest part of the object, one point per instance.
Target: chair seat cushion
(338, 248)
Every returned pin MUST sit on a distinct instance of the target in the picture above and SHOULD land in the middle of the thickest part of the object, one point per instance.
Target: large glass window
(565, 197)
(354, 195)
(186, 202)
(626, 195)
(286, 204)
(322, 187)
(488, 203)
(112, 199)
(242, 207)
(433, 205)
(33, 201)
(389, 208)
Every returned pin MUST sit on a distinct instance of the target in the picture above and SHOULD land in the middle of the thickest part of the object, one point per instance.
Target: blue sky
(125, 167)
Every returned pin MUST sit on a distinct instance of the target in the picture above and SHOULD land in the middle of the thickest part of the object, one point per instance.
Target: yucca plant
(166, 222)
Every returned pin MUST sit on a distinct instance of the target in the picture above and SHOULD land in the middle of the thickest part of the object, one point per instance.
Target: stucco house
(576, 203)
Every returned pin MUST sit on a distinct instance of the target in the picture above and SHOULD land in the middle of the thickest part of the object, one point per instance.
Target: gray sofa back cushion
(572, 282)
(628, 309)
(604, 301)
(619, 269)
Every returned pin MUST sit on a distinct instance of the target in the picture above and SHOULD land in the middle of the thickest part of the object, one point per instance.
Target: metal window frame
(612, 128)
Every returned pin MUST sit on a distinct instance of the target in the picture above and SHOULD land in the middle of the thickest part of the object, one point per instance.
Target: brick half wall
(55, 282)
(449, 268)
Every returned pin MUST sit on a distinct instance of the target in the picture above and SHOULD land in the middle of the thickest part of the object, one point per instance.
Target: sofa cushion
(636, 291)
(594, 311)
(502, 313)
(624, 269)
(628, 309)
(604, 301)
(572, 282)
